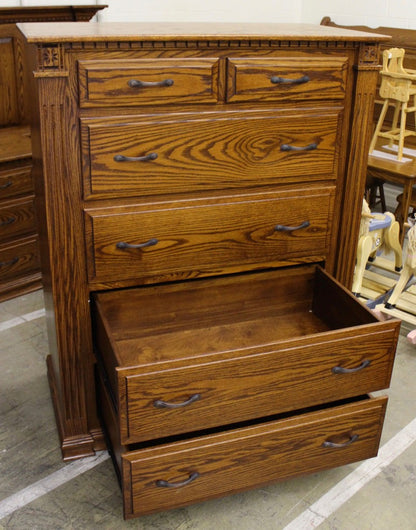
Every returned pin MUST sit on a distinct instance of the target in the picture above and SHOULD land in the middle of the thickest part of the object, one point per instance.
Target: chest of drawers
(19, 246)
(200, 202)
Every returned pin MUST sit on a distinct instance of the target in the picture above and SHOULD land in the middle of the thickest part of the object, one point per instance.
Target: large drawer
(205, 353)
(286, 78)
(192, 238)
(148, 81)
(213, 465)
(17, 217)
(190, 153)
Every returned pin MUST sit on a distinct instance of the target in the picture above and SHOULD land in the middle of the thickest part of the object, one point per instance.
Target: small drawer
(148, 82)
(174, 154)
(286, 78)
(213, 465)
(185, 357)
(17, 181)
(17, 218)
(192, 238)
(19, 258)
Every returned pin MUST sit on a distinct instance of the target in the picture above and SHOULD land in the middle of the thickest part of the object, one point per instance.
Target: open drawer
(205, 353)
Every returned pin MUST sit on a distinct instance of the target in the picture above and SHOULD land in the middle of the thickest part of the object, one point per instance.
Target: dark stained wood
(49, 13)
(20, 272)
(256, 343)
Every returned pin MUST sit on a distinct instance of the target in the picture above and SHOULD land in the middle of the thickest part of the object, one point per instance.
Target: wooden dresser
(199, 191)
(19, 254)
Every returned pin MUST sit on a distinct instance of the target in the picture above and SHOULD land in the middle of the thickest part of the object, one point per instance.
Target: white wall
(202, 10)
(399, 13)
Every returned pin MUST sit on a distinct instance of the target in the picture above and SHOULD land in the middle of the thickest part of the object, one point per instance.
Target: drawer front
(17, 218)
(286, 78)
(191, 238)
(16, 182)
(168, 155)
(221, 464)
(148, 82)
(264, 381)
(19, 258)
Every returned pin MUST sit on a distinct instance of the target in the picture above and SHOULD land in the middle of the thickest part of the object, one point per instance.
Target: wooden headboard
(400, 38)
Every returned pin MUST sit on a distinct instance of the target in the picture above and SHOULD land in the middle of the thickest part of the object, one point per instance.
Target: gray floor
(39, 491)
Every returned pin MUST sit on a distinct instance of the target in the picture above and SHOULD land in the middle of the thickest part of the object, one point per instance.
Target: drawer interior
(169, 322)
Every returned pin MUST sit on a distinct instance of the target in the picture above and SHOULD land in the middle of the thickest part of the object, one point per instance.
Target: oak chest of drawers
(201, 199)
(19, 247)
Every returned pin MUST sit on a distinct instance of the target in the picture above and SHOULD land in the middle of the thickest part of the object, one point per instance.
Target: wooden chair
(399, 213)
(396, 89)
(378, 232)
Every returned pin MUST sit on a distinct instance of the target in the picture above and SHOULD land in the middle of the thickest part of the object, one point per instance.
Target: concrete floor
(39, 491)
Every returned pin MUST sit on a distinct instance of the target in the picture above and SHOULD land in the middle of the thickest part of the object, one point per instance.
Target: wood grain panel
(295, 78)
(16, 181)
(197, 153)
(212, 236)
(17, 218)
(250, 457)
(106, 83)
(245, 340)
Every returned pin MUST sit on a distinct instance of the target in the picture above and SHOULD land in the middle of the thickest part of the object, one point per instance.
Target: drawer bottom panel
(183, 472)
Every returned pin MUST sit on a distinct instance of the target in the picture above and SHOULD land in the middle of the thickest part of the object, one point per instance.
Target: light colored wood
(197, 31)
(397, 88)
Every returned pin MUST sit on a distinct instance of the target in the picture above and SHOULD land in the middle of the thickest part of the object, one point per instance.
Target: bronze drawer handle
(276, 80)
(11, 262)
(341, 370)
(352, 439)
(149, 243)
(122, 158)
(284, 228)
(7, 185)
(287, 147)
(134, 83)
(8, 221)
(160, 404)
(166, 484)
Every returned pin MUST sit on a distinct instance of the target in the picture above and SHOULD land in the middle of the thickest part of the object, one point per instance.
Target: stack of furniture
(19, 253)
(200, 196)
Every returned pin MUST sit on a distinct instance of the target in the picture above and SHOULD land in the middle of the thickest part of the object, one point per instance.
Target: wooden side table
(403, 173)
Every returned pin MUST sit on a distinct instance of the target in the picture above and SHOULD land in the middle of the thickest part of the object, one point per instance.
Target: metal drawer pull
(276, 80)
(284, 228)
(11, 262)
(166, 484)
(150, 243)
(8, 221)
(160, 404)
(4, 186)
(352, 439)
(287, 147)
(122, 158)
(341, 370)
(134, 83)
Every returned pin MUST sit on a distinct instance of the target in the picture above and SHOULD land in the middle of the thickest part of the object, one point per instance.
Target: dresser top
(157, 31)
